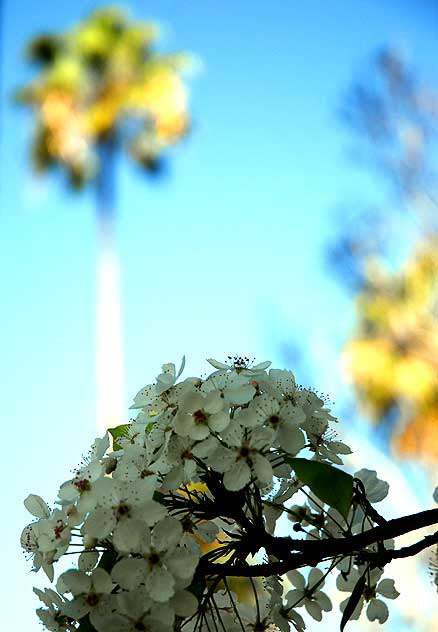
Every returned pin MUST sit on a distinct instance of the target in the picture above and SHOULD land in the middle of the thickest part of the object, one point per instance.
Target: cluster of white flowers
(203, 457)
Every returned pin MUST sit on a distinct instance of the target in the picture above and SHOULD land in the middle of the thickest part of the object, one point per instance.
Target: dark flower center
(82, 485)
(122, 510)
(187, 454)
(92, 599)
(153, 559)
(60, 526)
(274, 420)
(369, 592)
(200, 417)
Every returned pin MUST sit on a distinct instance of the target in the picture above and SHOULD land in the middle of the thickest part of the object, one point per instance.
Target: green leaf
(117, 433)
(107, 561)
(331, 485)
(353, 600)
(198, 586)
(85, 625)
(149, 427)
(159, 497)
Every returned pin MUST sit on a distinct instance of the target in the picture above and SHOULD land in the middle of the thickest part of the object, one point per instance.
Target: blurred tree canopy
(392, 354)
(102, 83)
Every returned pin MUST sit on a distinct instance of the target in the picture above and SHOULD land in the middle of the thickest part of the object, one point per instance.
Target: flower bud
(89, 541)
(110, 465)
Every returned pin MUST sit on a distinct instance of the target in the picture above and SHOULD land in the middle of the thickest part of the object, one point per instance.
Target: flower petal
(377, 610)
(100, 523)
(76, 609)
(88, 560)
(36, 506)
(167, 533)
(182, 563)
(127, 535)
(76, 581)
(184, 603)
(387, 589)
(219, 421)
(160, 584)
(237, 476)
(315, 576)
(262, 469)
(101, 581)
(323, 600)
(217, 365)
(153, 512)
(129, 573)
(314, 609)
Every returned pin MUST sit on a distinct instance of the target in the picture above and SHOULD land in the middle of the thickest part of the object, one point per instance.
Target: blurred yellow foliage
(393, 357)
(420, 436)
(99, 79)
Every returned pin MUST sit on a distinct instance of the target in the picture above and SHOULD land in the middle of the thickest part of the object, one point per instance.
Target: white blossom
(200, 470)
(308, 594)
(162, 562)
(122, 508)
(79, 490)
(51, 616)
(240, 365)
(136, 463)
(181, 462)
(376, 489)
(91, 594)
(283, 419)
(198, 415)
(235, 388)
(47, 540)
(243, 457)
(376, 609)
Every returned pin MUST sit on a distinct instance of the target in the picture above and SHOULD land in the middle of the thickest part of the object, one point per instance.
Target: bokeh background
(295, 221)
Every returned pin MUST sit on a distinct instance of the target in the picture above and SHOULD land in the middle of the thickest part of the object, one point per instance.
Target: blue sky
(224, 255)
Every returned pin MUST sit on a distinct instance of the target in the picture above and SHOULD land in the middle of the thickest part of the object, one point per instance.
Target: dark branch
(336, 546)
(314, 551)
(406, 551)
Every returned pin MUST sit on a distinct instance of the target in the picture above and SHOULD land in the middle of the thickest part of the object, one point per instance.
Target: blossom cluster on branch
(166, 510)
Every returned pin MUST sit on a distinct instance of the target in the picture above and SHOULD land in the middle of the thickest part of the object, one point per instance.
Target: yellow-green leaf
(328, 483)
(117, 433)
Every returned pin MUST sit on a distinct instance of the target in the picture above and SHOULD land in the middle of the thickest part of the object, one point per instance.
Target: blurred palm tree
(392, 356)
(102, 87)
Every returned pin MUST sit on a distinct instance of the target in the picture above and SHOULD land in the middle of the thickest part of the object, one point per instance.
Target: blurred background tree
(387, 256)
(102, 87)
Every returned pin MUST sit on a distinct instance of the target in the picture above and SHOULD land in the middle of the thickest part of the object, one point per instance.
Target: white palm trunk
(109, 353)
(109, 349)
